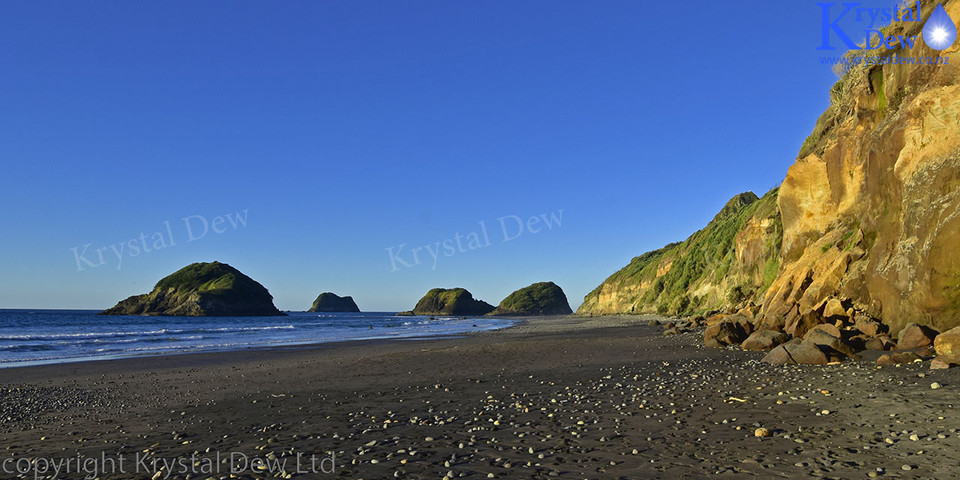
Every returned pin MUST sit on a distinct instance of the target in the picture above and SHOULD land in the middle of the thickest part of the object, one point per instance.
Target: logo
(939, 33)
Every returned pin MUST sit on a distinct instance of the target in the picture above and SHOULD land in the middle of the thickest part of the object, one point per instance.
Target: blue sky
(345, 128)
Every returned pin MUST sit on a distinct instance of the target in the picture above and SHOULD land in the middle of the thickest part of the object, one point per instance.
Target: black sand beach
(593, 398)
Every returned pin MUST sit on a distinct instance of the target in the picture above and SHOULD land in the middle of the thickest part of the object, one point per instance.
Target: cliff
(455, 301)
(331, 302)
(201, 289)
(871, 208)
(543, 298)
(727, 264)
(866, 224)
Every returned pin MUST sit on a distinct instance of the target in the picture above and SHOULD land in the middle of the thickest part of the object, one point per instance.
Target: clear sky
(345, 128)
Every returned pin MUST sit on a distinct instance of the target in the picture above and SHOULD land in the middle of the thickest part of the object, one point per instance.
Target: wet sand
(595, 398)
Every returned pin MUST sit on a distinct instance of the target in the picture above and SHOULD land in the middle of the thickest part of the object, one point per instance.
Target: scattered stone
(895, 358)
(762, 432)
(935, 385)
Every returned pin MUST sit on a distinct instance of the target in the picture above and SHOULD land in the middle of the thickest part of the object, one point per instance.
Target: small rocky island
(201, 289)
(454, 301)
(331, 302)
(543, 298)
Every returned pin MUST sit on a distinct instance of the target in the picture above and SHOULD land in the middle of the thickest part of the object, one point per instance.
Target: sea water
(32, 337)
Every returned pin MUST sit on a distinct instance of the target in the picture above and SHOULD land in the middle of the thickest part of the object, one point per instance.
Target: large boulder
(882, 342)
(797, 353)
(543, 298)
(454, 301)
(869, 326)
(797, 324)
(915, 336)
(834, 309)
(945, 361)
(331, 302)
(828, 336)
(764, 340)
(948, 343)
(201, 289)
(723, 334)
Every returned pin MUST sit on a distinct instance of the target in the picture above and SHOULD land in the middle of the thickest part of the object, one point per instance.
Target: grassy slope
(703, 272)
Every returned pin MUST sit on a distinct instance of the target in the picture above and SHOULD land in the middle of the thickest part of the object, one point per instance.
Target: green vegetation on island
(454, 301)
(331, 302)
(201, 289)
(543, 298)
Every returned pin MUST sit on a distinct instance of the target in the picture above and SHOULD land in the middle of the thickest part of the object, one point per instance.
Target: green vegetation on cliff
(729, 262)
(331, 302)
(543, 298)
(454, 301)
(201, 289)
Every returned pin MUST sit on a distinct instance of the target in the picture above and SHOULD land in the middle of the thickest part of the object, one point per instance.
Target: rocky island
(201, 289)
(542, 298)
(331, 302)
(454, 301)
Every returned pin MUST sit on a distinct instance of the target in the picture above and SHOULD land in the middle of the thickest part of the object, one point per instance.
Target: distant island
(201, 289)
(455, 301)
(331, 302)
(543, 298)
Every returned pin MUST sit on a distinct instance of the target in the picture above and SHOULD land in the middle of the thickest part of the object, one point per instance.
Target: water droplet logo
(939, 33)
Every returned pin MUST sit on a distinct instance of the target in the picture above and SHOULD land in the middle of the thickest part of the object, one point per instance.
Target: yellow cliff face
(871, 210)
(865, 224)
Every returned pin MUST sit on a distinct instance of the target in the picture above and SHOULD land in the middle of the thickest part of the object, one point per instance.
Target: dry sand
(552, 398)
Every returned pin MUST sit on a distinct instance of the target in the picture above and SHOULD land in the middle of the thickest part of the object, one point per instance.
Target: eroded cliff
(870, 208)
(865, 225)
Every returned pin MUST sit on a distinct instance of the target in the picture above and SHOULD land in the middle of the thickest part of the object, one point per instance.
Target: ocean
(34, 337)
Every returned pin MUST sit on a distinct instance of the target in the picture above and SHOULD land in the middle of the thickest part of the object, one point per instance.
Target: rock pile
(830, 333)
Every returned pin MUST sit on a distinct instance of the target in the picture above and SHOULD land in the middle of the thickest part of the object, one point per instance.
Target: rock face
(544, 298)
(455, 301)
(201, 289)
(727, 264)
(331, 302)
(865, 226)
(870, 208)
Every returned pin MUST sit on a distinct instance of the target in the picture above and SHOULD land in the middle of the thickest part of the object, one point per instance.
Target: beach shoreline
(561, 397)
